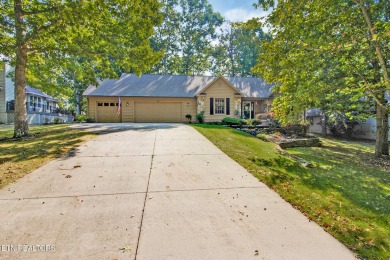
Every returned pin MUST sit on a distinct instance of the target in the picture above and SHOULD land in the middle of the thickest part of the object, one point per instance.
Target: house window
(100, 104)
(219, 106)
(106, 104)
(112, 104)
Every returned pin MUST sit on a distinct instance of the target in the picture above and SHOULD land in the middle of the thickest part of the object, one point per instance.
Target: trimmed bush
(200, 117)
(84, 118)
(189, 117)
(233, 121)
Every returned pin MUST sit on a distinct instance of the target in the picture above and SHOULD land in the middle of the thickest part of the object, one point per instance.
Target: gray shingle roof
(313, 112)
(173, 86)
(36, 92)
(251, 87)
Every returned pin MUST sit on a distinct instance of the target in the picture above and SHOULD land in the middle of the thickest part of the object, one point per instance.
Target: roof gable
(214, 81)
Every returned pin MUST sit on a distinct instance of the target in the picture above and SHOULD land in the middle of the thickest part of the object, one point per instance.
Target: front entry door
(248, 110)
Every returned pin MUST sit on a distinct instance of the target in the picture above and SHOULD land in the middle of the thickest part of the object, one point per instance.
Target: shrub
(274, 123)
(295, 129)
(233, 121)
(83, 118)
(256, 122)
(341, 125)
(80, 118)
(89, 119)
(189, 117)
(263, 137)
(200, 117)
(247, 122)
(57, 120)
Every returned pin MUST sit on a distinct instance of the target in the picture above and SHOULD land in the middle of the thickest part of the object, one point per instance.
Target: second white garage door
(161, 112)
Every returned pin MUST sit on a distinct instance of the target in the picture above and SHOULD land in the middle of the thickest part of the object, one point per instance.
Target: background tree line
(196, 40)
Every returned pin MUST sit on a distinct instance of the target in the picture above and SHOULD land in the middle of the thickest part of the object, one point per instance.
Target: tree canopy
(185, 37)
(48, 34)
(324, 50)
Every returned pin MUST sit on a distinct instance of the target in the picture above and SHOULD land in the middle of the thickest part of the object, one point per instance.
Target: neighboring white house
(365, 129)
(41, 108)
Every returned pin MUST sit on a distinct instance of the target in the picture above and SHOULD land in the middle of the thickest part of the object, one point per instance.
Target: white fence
(41, 118)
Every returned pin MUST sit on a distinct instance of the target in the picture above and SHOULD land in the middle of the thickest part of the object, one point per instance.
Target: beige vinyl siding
(219, 89)
(127, 110)
(91, 110)
(188, 106)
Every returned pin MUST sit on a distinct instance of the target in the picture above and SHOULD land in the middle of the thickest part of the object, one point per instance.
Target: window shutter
(211, 106)
(227, 106)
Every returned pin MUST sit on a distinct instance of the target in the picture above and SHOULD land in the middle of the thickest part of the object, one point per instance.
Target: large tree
(238, 47)
(167, 38)
(36, 32)
(345, 42)
(185, 36)
(197, 29)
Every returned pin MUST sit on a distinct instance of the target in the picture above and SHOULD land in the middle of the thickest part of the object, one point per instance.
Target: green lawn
(18, 157)
(345, 192)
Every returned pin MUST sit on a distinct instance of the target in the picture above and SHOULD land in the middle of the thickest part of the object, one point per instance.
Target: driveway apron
(153, 191)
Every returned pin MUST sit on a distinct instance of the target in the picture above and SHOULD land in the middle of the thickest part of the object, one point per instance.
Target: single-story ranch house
(169, 98)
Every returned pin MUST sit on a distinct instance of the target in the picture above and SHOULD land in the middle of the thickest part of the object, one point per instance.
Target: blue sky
(236, 10)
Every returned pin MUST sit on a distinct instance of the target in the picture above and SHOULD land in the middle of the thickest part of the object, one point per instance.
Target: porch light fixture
(127, 104)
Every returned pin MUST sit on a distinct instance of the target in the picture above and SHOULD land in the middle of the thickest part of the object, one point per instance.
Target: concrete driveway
(153, 191)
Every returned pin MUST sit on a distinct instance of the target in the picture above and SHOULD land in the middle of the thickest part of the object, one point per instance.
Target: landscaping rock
(306, 142)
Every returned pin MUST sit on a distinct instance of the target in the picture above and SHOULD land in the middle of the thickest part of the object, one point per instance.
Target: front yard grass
(18, 157)
(345, 192)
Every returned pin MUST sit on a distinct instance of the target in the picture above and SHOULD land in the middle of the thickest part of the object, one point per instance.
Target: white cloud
(243, 15)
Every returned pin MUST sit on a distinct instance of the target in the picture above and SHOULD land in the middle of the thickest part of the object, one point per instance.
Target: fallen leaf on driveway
(68, 176)
(125, 249)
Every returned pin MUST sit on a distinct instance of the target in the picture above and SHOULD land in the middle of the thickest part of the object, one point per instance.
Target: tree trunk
(385, 147)
(323, 125)
(78, 99)
(21, 126)
(382, 127)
